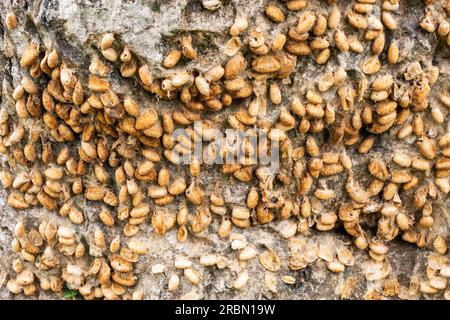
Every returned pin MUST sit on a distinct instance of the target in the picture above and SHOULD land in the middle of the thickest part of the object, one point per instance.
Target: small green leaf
(70, 293)
(156, 7)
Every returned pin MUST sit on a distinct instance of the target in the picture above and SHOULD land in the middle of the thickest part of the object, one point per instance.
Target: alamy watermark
(232, 146)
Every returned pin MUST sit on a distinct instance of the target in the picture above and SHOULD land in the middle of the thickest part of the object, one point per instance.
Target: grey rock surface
(150, 28)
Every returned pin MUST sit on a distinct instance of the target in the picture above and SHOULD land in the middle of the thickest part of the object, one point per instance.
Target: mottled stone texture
(150, 28)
